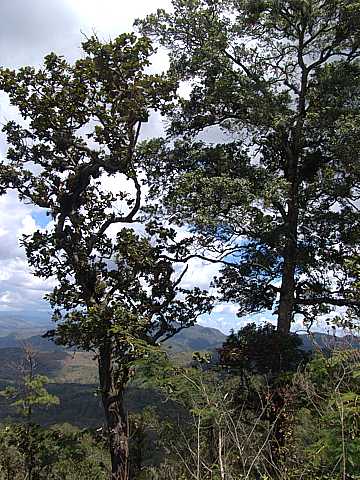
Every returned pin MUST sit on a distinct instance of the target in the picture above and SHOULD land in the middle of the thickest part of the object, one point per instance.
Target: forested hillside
(244, 200)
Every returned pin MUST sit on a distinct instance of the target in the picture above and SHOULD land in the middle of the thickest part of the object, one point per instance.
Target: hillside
(66, 366)
(188, 340)
(73, 375)
(23, 326)
(196, 338)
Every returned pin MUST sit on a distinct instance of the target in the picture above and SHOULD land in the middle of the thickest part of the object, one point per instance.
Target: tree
(276, 200)
(30, 393)
(275, 356)
(225, 430)
(55, 453)
(117, 294)
(262, 350)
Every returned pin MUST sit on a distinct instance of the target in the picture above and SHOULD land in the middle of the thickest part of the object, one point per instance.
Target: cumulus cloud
(19, 289)
(15, 220)
(200, 273)
(226, 308)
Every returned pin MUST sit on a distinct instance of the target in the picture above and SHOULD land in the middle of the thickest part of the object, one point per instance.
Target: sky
(28, 31)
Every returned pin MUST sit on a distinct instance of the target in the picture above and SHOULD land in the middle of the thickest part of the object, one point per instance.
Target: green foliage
(227, 426)
(32, 394)
(54, 454)
(262, 350)
(211, 429)
(198, 407)
(329, 420)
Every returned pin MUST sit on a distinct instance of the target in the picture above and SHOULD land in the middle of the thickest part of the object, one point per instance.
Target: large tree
(278, 197)
(74, 155)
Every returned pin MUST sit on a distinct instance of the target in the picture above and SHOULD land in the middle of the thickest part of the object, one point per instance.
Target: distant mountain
(188, 340)
(14, 332)
(74, 375)
(24, 327)
(196, 338)
(16, 340)
(324, 341)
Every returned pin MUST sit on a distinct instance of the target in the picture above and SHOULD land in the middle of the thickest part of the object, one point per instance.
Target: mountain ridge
(15, 333)
(189, 339)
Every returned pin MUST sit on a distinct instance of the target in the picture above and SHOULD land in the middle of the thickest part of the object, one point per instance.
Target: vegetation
(55, 454)
(221, 426)
(274, 202)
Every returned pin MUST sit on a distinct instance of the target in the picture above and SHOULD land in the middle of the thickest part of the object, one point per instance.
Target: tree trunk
(287, 291)
(294, 149)
(116, 418)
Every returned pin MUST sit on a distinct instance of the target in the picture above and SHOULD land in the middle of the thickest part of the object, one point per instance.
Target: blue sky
(40, 218)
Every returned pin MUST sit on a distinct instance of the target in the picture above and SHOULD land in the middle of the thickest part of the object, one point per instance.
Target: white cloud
(15, 218)
(111, 17)
(224, 318)
(19, 289)
(200, 273)
(28, 226)
(30, 29)
(226, 308)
